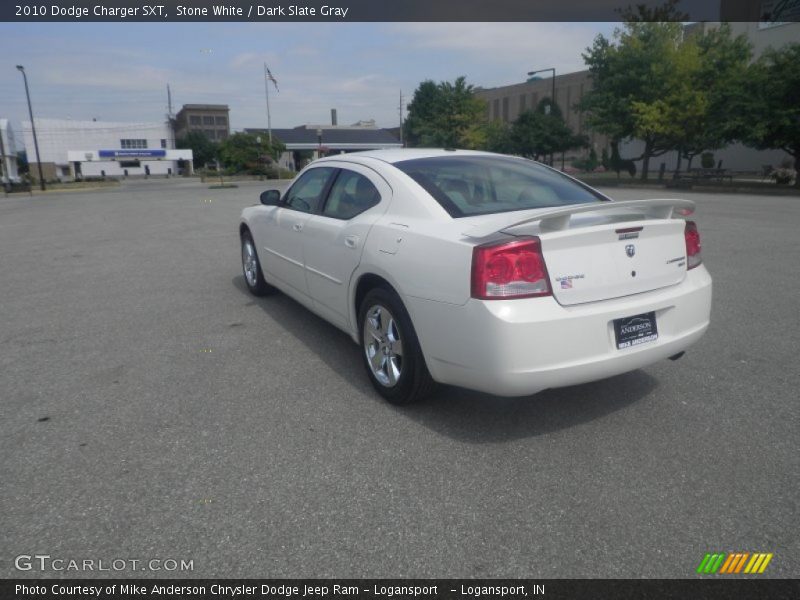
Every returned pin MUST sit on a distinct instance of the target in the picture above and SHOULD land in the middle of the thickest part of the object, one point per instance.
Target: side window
(306, 194)
(350, 195)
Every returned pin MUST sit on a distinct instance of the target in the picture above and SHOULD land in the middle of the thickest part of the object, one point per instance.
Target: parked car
(480, 270)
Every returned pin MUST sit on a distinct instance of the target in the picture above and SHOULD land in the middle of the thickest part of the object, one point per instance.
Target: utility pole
(170, 117)
(21, 69)
(400, 110)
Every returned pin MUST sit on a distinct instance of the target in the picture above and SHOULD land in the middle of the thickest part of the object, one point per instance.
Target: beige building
(506, 103)
(210, 119)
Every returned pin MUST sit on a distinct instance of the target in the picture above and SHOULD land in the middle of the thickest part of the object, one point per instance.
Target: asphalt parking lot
(152, 408)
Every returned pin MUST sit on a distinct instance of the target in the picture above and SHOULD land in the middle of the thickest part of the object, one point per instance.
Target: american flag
(270, 77)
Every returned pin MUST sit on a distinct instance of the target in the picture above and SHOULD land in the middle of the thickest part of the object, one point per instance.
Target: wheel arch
(363, 282)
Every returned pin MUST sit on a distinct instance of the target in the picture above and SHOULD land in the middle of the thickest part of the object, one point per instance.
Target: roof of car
(395, 155)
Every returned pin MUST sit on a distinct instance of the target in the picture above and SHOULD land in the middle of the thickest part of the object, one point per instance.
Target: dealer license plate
(636, 330)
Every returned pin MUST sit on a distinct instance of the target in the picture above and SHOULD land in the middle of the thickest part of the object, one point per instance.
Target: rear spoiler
(556, 219)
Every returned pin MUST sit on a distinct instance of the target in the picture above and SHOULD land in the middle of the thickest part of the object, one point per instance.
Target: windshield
(482, 185)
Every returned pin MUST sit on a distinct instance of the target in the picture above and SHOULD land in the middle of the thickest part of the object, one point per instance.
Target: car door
(284, 229)
(334, 238)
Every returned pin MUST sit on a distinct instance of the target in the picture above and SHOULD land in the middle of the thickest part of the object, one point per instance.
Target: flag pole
(266, 91)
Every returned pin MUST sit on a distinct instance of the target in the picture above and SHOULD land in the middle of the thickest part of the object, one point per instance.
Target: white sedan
(480, 270)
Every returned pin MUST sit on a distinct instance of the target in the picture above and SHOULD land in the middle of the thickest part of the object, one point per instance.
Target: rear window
(481, 185)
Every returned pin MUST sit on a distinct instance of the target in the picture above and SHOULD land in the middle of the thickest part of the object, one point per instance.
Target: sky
(120, 71)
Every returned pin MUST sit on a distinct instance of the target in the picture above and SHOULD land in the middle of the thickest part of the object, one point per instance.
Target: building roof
(345, 138)
(205, 107)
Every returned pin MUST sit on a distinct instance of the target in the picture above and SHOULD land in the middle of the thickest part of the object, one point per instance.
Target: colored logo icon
(734, 563)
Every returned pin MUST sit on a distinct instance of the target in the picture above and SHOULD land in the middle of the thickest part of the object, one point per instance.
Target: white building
(8, 154)
(76, 149)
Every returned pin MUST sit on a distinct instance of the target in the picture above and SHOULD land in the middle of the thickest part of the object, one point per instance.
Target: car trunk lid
(606, 250)
(607, 261)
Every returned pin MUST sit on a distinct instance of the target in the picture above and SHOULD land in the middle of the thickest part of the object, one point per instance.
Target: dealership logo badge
(734, 563)
(630, 250)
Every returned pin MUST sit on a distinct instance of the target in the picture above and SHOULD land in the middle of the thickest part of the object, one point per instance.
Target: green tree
(537, 133)
(773, 109)
(203, 149)
(639, 86)
(722, 76)
(422, 111)
(498, 137)
(446, 115)
(670, 91)
(673, 93)
(242, 152)
(673, 120)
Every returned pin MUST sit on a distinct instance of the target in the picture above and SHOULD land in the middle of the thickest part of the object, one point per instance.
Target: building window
(505, 110)
(209, 133)
(221, 134)
(163, 143)
(194, 120)
(132, 144)
(496, 107)
(208, 120)
(221, 120)
(522, 103)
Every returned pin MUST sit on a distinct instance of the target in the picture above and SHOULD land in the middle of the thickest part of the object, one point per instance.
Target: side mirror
(270, 197)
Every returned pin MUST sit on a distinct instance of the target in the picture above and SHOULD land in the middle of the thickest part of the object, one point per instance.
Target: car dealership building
(71, 149)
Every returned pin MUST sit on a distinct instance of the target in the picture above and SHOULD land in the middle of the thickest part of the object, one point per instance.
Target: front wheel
(390, 349)
(251, 268)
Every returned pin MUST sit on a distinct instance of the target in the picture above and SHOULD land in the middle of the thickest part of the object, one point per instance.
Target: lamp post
(553, 92)
(552, 95)
(319, 142)
(21, 69)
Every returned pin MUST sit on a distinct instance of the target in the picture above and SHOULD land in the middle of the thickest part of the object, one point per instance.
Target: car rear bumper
(520, 347)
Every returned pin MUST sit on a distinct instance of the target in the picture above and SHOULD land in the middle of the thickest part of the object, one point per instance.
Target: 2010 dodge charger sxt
(480, 270)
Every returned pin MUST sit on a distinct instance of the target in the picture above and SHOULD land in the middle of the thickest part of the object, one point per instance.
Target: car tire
(251, 268)
(390, 349)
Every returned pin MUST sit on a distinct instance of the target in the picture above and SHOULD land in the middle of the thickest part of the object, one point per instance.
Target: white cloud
(249, 60)
(516, 47)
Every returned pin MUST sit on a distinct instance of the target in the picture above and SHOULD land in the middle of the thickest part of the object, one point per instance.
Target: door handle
(351, 241)
(297, 226)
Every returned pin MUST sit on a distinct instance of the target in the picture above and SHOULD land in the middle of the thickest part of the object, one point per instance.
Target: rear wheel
(251, 268)
(390, 349)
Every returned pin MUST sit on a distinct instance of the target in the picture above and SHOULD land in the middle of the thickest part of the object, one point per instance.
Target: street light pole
(319, 142)
(553, 92)
(552, 95)
(21, 69)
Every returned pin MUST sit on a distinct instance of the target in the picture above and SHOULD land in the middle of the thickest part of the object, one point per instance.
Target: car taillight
(693, 257)
(513, 269)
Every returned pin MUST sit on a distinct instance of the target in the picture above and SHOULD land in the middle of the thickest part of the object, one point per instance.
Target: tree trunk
(678, 163)
(648, 149)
